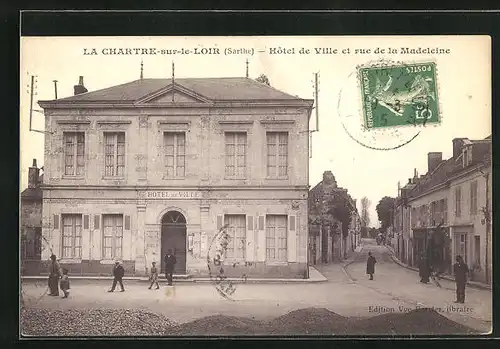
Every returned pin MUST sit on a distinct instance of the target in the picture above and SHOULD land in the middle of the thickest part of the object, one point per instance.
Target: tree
(263, 79)
(385, 212)
(340, 209)
(365, 214)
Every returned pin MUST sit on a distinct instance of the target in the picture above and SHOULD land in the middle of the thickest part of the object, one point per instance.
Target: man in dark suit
(169, 266)
(118, 273)
(460, 269)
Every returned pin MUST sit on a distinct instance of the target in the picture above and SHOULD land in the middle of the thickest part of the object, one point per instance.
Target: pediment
(176, 94)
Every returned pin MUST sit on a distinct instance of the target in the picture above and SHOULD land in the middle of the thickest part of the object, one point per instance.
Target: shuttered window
(71, 236)
(114, 154)
(237, 236)
(236, 152)
(112, 236)
(175, 154)
(276, 238)
(74, 149)
(473, 198)
(277, 154)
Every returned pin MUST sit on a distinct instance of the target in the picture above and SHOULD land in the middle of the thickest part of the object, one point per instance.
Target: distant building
(31, 222)
(448, 210)
(329, 239)
(152, 165)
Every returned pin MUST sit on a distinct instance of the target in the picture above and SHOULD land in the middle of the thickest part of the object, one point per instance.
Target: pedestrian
(424, 269)
(154, 276)
(64, 283)
(370, 265)
(118, 273)
(460, 270)
(54, 275)
(169, 266)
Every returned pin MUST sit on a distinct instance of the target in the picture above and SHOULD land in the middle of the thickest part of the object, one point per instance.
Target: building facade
(153, 165)
(31, 222)
(448, 210)
(329, 239)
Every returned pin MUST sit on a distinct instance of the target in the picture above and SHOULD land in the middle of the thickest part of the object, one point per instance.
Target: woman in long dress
(54, 276)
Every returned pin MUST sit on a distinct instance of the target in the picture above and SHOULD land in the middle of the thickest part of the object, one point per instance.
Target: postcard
(230, 186)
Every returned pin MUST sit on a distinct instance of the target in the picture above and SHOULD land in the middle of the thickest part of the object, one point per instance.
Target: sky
(463, 83)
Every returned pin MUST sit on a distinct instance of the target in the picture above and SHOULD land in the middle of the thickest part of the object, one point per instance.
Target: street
(348, 292)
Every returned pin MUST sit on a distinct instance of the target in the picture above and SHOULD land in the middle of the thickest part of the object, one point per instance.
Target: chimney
(433, 160)
(33, 174)
(457, 146)
(80, 88)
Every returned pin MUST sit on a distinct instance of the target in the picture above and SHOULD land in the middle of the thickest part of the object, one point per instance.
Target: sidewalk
(474, 284)
(314, 277)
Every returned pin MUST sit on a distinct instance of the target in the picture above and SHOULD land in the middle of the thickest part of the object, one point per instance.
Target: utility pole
(32, 93)
(316, 107)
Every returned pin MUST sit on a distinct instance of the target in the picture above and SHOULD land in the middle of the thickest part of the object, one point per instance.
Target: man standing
(118, 273)
(460, 269)
(424, 269)
(169, 266)
(370, 265)
(54, 275)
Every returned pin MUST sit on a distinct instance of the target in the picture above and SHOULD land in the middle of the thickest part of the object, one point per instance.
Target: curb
(190, 280)
(346, 264)
(444, 277)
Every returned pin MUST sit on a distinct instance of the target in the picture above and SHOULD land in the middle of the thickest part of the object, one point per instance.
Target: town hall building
(135, 170)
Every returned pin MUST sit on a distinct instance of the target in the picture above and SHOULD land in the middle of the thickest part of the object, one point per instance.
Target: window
(72, 236)
(175, 154)
(477, 250)
(473, 198)
(74, 149)
(277, 154)
(445, 211)
(236, 143)
(237, 236)
(461, 245)
(112, 236)
(276, 238)
(458, 201)
(115, 154)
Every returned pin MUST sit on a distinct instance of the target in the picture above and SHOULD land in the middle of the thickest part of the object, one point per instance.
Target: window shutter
(127, 222)
(97, 219)
(250, 222)
(292, 223)
(56, 221)
(86, 221)
(261, 222)
(219, 222)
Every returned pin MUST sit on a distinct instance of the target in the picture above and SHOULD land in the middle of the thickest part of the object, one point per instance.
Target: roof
(32, 193)
(225, 89)
(446, 169)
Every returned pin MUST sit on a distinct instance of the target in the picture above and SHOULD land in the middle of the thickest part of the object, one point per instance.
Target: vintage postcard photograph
(255, 186)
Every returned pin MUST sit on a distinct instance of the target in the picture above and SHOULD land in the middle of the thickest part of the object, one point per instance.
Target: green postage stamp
(399, 94)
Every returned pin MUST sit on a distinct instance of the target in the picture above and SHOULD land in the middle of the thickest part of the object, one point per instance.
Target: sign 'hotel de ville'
(135, 170)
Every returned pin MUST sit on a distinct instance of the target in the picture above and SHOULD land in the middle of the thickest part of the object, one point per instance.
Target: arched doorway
(173, 237)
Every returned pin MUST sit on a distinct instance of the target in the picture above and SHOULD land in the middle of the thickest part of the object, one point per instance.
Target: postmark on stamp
(385, 104)
(399, 94)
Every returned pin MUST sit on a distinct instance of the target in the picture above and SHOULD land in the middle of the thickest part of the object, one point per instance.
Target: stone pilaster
(140, 253)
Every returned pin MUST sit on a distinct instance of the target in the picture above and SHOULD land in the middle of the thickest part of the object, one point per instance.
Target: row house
(30, 225)
(446, 211)
(329, 239)
(152, 165)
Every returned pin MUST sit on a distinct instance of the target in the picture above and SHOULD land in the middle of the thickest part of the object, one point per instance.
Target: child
(154, 276)
(64, 283)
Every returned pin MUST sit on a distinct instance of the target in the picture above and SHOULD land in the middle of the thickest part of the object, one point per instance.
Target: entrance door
(173, 237)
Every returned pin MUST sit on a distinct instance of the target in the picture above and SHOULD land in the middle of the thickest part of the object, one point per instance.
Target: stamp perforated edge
(389, 63)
